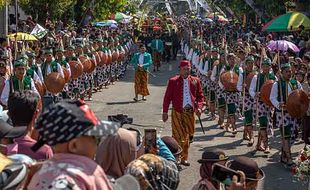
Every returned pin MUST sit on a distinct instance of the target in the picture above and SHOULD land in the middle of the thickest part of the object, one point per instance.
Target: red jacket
(174, 93)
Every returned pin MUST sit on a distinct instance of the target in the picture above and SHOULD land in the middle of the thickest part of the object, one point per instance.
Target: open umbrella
(20, 36)
(288, 22)
(120, 16)
(282, 45)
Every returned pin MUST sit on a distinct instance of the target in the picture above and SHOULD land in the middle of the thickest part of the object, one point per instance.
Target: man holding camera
(185, 93)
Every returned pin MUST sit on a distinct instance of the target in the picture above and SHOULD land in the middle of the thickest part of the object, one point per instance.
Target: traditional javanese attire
(141, 75)
(157, 46)
(186, 95)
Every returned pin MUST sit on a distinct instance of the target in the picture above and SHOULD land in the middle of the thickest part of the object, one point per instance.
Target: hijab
(116, 152)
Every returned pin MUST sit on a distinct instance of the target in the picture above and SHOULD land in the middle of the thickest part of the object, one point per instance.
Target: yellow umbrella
(20, 36)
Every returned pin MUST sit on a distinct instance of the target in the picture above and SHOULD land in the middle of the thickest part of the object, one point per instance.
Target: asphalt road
(118, 98)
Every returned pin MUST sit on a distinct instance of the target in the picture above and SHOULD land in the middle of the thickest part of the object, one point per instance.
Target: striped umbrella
(288, 22)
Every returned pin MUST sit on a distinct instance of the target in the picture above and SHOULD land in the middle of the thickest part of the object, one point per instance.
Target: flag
(39, 32)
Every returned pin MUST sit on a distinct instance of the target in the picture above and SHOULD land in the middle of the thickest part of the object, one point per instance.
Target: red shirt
(174, 93)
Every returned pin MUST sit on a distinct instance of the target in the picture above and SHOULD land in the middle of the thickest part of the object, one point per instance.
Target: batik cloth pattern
(183, 126)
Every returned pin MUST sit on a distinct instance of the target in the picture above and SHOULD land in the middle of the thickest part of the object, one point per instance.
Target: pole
(257, 88)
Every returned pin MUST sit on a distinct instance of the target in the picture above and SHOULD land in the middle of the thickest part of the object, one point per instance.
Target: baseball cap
(8, 131)
(69, 119)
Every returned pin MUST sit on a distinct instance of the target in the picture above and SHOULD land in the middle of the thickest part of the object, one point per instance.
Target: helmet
(12, 176)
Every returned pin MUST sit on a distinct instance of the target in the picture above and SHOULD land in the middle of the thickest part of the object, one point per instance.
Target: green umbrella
(288, 22)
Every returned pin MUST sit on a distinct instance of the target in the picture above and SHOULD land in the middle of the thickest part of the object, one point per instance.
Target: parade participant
(175, 44)
(141, 61)
(157, 46)
(73, 85)
(231, 96)
(82, 81)
(220, 93)
(212, 60)
(208, 158)
(23, 110)
(74, 142)
(90, 76)
(18, 82)
(49, 66)
(185, 93)
(263, 110)
(60, 59)
(247, 100)
(286, 123)
(34, 70)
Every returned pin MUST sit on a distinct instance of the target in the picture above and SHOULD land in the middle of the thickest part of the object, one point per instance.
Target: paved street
(118, 99)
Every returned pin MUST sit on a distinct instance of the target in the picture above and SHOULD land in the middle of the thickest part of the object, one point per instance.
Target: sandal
(260, 148)
(267, 150)
(135, 99)
(251, 142)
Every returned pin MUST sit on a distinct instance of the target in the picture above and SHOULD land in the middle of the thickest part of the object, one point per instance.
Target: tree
(42, 9)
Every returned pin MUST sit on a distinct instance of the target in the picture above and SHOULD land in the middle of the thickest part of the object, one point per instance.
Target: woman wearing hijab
(116, 152)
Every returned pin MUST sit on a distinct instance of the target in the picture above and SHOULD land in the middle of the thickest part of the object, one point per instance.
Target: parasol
(20, 36)
(282, 45)
(288, 22)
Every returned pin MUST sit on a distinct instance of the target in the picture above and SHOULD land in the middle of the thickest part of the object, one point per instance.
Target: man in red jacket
(185, 93)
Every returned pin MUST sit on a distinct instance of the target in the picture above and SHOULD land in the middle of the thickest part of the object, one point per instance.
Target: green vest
(234, 69)
(44, 66)
(72, 58)
(261, 78)
(284, 87)
(25, 84)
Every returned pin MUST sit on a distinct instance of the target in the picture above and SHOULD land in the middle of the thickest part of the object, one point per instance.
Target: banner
(38, 31)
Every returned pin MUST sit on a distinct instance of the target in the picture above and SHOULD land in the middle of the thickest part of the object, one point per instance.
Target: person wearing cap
(72, 129)
(209, 157)
(263, 110)
(50, 65)
(220, 92)
(185, 93)
(231, 97)
(90, 76)
(212, 59)
(248, 100)
(82, 81)
(34, 71)
(249, 171)
(23, 110)
(157, 46)
(18, 82)
(141, 61)
(285, 122)
(60, 59)
(103, 70)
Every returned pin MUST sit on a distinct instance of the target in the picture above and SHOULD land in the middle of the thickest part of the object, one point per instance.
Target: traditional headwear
(215, 49)
(266, 61)
(250, 59)
(30, 54)
(48, 51)
(72, 47)
(60, 50)
(285, 66)
(184, 63)
(213, 155)
(19, 62)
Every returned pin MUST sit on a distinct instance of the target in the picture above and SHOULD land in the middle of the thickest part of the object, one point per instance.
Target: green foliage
(4, 2)
(41, 9)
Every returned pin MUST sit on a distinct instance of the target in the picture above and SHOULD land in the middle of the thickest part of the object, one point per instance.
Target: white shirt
(6, 91)
(141, 58)
(274, 93)
(200, 66)
(252, 89)
(187, 100)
